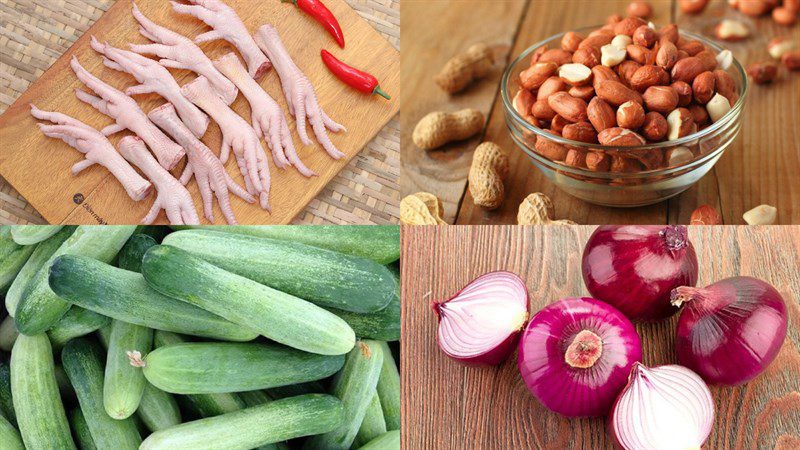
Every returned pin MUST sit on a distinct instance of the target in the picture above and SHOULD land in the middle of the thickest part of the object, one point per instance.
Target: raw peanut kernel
(669, 33)
(630, 115)
(763, 72)
(535, 75)
(628, 25)
(703, 87)
(708, 58)
(655, 126)
(779, 46)
(678, 156)
(667, 55)
(644, 36)
(557, 56)
(558, 123)
(571, 108)
(640, 54)
(588, 56)
(620, 137)
(550, 87)
(598, 162)
(791, 60)
(684, 92)
(724, 59)
(616, 93)
(611, 55)
(486, 175)
(580, 131)
(731, 30)
(705, 215)
(523, 102)
(686, 69)
(601, 114)
(784, 16)
(550, 150)
(584, 93)
(680, 123)
(575, 74)
(640, 9)
(661, 99)
(717, 107)
(621, 41)
(571, 41)
(761, 215)
(692, 6)
(647, 76)
(699, 114)
(542, 110)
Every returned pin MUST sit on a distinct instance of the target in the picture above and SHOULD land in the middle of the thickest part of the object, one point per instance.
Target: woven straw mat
(34, 33)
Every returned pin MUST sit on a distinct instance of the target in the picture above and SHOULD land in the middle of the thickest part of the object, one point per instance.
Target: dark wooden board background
(449, 406)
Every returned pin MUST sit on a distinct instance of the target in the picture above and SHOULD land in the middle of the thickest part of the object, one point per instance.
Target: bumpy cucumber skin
(124, 383)
(76, 322)
(378, 243)
(12, 258)
(6, 403)
(40, 413)
(130, 257)
(9, 436)
(279, 316)
(83, 361)
(219, 367)
(38, 258)
(387, 441)
(321, 276)
(255, 398)
(81, 429)
(241, 430)
(311, 387)
(125, 296)
(355, 385)
(389, 389)
(157, 409)
(33, 234)
(373, 424)
(383, 325)
(40, 308)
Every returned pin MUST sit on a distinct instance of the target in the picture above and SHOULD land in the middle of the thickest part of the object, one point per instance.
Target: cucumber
(389, 389)
(255, 398)
(218, 367)
(320, 276)
(125, 296)
(40, 413)
(81, 429)
(311, 387)
(373, 424)
(83, 361)
(8, 333)
(12, 257)
(9, 436)
(383, 325)
(355, 385)
(6, 402)
(37, 259)
(75, 323)
(157, 409)
(378, 243)
(281, 317)
(33, 234)
(387, 441)
(64, 385)
(40, 308)
(251, 427)
(130, 257)
(124, 381)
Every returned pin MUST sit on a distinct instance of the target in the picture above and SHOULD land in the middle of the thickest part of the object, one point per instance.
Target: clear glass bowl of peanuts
(629, 169)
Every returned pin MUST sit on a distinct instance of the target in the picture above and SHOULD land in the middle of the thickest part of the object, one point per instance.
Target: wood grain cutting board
(39, 167)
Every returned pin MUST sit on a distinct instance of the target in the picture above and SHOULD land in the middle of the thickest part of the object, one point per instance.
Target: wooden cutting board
(39, 167)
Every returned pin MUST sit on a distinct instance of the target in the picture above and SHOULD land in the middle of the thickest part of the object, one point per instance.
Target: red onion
(576, 354)
(634, 267)
(480, 324)
(730, 331)
(663, 408)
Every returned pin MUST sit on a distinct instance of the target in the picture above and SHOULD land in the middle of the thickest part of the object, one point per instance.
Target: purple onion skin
(567, 390)
(732, 330)
(634, 268)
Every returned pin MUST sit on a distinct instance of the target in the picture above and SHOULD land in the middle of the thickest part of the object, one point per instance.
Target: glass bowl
(625, 189)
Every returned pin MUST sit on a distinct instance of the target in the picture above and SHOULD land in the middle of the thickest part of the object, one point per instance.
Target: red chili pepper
(323, 15)
(353, 77)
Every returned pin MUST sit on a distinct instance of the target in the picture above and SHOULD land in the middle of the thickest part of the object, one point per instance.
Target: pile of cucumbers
(271, 337)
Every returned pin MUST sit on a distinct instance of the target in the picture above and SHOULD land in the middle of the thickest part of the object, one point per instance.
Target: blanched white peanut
(761, 215)
(612, 55)
(621, 41)
(717, 107)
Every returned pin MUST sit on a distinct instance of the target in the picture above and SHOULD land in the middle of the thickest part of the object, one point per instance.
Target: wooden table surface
(761, 166)
(450, 406)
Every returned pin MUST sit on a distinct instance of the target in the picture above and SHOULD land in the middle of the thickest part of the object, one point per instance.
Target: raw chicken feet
(237, 135)
(267, 116)
(126, 112)
(153, 78)
(207, 169)
(226, 25)
(179, 52)
(171, 196)
(96, 149)
(298, 91)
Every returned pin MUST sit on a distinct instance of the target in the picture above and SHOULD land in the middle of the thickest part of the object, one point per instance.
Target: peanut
(465, 68)
(761, 215)
(536, 209)
(705, 215)
(421, 208)
(438, 128)
(489, 169)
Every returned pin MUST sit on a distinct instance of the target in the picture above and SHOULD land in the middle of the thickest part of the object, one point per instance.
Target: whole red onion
(729, 331)
(635, 267)
(576, 354)
(480, 324)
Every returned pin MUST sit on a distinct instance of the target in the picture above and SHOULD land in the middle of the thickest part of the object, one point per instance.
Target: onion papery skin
(730, 331)
(568, 390)
(634, 268)
(663, 408)
(467, 331)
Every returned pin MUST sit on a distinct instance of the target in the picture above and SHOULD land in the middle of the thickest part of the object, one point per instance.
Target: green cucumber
(12, 257)
(8, 333)
(130, 257)
(378, 243)
(75, 323)
(323, 277)
(6, 402)
(33, 234)
(373, 424)
(40, 308)
(279, 316)
(124, 381)
(383, 325)
(40, 413)
(9, 436)
(355, 385)
(218, 367)
(255, 398)
(125, 296)
(83, 361)
(251, 427)
(64, 385)
(387, 441)
(157, 409)
(311, 387)
(389, 389)
(38, 258)
(81, 429)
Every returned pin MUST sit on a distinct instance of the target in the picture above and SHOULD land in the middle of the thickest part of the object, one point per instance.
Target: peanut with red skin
(601, 114)
(556, 55)
(705, 215)
(763, 72)
(654, 127)
(684, 91)
(704, 87)
(567, 106)
(640, 9)
(791, 60)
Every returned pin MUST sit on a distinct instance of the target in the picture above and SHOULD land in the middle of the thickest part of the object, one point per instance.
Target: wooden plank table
(450, 406)
(761, 166)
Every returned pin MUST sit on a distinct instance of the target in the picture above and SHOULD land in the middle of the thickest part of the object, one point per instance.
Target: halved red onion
(663, 408)
(729, 331)
(479, 325)
(576, 354)
(634, 267)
